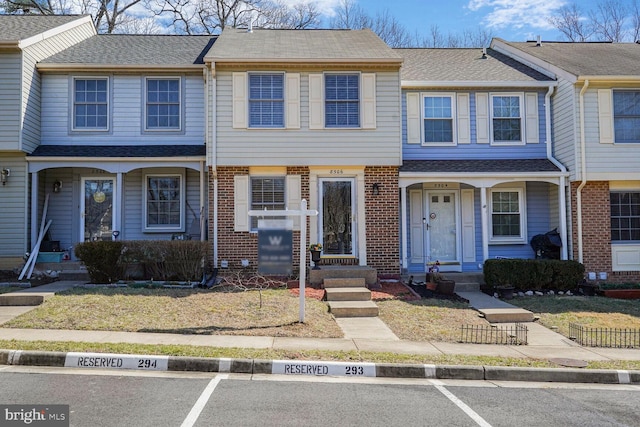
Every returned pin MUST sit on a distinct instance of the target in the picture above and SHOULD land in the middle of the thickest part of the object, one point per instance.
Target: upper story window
(342, 100)
(438, 115)
(506, 118)
(90, 103)
(625, 216)
(507, 215)
(164, 203)
(163, 104)
(266, 100)
(626, 115)
(267, 193)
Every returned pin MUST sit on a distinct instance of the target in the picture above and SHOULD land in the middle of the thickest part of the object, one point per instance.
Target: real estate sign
(275, 251)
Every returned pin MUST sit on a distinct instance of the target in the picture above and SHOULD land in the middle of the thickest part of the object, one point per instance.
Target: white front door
(441, 228)
(96, 209)
(338, 216)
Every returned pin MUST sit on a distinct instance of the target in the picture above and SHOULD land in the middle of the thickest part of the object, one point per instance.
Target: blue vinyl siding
(475, 150)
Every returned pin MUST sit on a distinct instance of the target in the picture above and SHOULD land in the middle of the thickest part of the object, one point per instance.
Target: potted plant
(505, 291)
(315, 249)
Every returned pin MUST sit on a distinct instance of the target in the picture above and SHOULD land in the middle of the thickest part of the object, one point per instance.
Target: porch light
(57, 186)
(4, 174)
(375, 189)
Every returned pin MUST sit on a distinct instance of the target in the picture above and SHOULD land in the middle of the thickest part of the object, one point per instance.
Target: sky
(513, 20)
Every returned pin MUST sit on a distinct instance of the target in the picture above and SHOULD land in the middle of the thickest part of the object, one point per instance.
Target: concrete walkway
(360, 335)
(495, 310)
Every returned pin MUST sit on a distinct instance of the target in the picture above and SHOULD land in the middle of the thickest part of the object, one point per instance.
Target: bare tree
(278, 14)
(480, 37)
(572, 24)
(635, 21)
(608, 20)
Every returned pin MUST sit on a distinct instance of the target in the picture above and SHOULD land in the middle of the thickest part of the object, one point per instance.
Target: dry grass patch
(182, 311)
(593, 312)
(428, 319)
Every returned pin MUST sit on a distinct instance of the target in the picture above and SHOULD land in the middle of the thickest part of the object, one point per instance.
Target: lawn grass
(272, 312)
(592, 311)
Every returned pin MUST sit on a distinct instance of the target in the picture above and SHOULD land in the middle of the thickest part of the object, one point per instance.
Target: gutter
(474, 84)
(583, 171)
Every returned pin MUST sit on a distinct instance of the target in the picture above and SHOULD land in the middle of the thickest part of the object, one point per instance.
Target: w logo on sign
(275, 240)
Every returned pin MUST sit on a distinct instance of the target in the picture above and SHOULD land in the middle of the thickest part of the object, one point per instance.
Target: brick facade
(383, 215)
(596, 231)
(381, 211)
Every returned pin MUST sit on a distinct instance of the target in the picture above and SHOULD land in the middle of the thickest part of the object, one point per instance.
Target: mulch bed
(389, 289)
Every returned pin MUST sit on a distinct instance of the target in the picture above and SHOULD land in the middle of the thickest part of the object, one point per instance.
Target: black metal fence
(604, 337)
(492, 334)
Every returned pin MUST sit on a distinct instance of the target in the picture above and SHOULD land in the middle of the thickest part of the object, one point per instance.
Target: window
(507, 215)
(438, 112)
(506, 118)
(266, 100)
(626, 115)
(625, 216)
(342, 100)
(164, 203)
(163, 104)
(266, 194)
(90, 104)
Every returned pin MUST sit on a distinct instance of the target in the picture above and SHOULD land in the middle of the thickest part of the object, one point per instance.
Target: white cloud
(326, 7)
(517, 13)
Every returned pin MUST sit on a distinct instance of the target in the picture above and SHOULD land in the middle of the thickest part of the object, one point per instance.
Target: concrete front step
(507, 315)
(353, 308)
(345, 282)
(316, 277)
(467, 287)
(347, 294)
(19, 298)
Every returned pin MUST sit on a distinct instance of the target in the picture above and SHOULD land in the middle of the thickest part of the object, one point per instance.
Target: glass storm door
(96, 216)
(441, 226)
(338, 216)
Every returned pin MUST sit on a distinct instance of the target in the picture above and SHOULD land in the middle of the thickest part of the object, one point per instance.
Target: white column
(484, 215)
(403, 225)
(562, 201)
(117, 208)
(34, 209)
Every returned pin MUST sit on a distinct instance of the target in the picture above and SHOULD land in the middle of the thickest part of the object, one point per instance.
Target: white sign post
(303, 213)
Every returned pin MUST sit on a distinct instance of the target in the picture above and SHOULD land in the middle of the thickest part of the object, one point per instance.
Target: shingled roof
(464, 65)
(478, 166)
(19, 27)
(119, 151)
(586, 59)
(319, 46)
(119, 50)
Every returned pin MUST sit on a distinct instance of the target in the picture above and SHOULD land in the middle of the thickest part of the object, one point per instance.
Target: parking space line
(202, 400)
(460, 404)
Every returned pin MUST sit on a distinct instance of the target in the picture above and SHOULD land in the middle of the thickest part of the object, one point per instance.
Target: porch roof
(110, 151)
(479, 166)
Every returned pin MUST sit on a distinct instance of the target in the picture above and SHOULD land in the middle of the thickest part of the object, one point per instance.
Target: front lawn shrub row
(533, 274)
(162, 260)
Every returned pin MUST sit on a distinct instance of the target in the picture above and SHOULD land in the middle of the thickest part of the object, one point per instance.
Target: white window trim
(454, 116)
(324, 100)
(284, 100)
(73, 104)
(522, 206)
(523, 131)
(145, 97)
(164, 228)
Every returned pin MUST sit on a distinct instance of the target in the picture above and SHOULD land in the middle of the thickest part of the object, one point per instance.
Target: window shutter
(482, 118)
(413, 118)
(292, 108)
(531, 125)
(316, 102)
(294, 196)
(605, 113)
(368, 101)
(464, 123)
(241, 202)
(239, 82)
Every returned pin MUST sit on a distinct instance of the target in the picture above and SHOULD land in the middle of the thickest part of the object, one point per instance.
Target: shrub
(101, 259)
(530, 274)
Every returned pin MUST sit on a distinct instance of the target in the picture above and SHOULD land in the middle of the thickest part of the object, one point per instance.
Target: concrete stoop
(21, 298)
(507, 315)
(349, 297)
(317, 277)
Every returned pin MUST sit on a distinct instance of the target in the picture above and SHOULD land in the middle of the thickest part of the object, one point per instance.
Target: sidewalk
(543, 343)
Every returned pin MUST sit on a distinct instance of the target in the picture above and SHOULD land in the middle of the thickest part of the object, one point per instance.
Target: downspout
(562, 183)
(212, 155)
(583, 170)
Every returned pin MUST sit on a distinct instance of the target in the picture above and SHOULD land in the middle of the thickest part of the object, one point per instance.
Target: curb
(314, 368)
